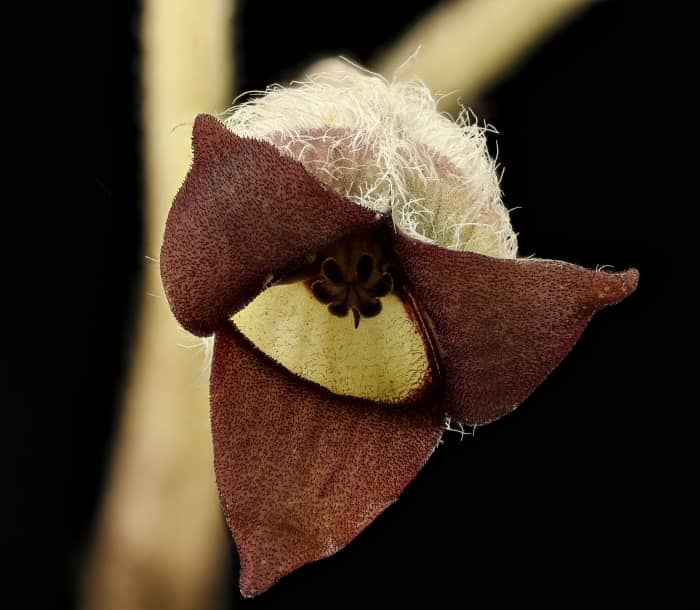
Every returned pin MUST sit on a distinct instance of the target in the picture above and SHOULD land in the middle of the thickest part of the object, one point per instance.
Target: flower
(348, 248)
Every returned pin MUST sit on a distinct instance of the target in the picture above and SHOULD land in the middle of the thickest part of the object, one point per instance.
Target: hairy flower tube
(347, 247)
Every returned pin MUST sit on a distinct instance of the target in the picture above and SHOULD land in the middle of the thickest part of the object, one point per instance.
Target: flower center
(353, 278)
(385, 359)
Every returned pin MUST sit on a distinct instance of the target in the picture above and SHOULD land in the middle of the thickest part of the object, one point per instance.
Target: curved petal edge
(502, 325)
(302, 471)
(244, 213)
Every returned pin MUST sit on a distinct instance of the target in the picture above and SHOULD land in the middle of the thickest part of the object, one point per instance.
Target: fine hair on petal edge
(385, 146)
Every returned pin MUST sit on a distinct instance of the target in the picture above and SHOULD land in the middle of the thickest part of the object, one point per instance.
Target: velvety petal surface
(302, 471)
(502, 325)
(244, 213)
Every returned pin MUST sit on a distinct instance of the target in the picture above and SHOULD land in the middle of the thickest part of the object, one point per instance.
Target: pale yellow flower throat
(384, 359)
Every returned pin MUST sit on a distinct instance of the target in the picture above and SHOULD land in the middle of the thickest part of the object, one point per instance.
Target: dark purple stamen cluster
(354, 286)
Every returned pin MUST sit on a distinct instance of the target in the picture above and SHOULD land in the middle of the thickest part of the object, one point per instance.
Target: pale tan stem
(160, 539)
(465, 45)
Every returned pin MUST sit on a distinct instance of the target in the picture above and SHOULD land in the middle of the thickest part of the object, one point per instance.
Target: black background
(573, 500)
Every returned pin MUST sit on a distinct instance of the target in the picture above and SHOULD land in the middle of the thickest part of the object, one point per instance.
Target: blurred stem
(465, 45)
(160, 540)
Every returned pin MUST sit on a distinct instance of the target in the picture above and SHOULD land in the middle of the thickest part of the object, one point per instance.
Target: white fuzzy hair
(385, 146)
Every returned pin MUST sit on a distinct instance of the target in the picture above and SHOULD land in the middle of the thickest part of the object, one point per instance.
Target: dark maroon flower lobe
(245, 212)
(302, 471)
(502, 325)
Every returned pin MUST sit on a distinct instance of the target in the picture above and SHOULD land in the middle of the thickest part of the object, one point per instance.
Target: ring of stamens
(353, 279)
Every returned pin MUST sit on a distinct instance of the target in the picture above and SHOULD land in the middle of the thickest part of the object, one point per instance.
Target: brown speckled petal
(502, 325)
(243, 213)
(302, 471)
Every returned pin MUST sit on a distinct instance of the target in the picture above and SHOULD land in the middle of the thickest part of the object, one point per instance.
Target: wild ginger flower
(348, 248)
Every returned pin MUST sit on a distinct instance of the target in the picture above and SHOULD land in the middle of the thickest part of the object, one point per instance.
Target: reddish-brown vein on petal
(502, 325)
(302, 471)
(244, 212)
